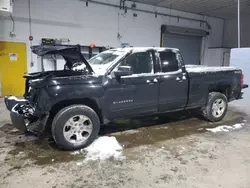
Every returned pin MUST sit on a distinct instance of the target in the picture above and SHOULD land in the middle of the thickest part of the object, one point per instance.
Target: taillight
(242, 80)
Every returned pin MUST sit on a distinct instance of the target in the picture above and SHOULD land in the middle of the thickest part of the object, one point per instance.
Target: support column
(239, 28)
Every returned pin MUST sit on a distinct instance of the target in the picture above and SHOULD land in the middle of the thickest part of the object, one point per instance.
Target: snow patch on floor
(102, 148)
(226, 128)
(238, 126)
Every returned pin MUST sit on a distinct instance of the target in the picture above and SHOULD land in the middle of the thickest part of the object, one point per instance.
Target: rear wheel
(75, 127)
(216, 107)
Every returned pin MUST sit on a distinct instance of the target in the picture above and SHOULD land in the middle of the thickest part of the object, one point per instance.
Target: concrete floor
(174, 151)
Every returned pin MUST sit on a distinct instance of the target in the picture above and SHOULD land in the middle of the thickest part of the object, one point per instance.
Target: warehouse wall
(231, 33)
(97, 24)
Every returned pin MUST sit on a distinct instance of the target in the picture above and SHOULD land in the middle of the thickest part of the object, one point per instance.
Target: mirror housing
(123, 71)
(183, 68)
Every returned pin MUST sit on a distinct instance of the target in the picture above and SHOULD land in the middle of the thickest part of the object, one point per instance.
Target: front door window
(140, 63)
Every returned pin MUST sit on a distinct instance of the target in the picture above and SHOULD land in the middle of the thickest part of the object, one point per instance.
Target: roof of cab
(143, 49)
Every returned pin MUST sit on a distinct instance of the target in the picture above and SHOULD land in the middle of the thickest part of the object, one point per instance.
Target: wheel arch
(221, 88)
(90, 102)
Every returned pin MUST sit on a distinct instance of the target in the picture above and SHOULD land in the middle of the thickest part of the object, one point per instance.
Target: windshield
(101, 62)
(103, 58)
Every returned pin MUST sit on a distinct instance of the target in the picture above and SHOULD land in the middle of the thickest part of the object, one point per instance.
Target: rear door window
(169, 62)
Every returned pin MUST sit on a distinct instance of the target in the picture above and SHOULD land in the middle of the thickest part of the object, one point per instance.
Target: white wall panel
(217, 57)
(97, 24)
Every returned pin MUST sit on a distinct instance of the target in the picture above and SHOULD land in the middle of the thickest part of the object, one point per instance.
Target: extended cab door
(173, 81)
(135, 94)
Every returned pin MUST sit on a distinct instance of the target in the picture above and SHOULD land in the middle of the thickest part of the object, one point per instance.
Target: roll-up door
(187, 40)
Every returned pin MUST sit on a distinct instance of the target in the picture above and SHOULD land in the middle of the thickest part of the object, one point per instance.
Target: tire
(66, 117)
(209, 113)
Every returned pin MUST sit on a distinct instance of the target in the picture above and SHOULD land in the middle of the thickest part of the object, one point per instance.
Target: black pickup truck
(118, 83)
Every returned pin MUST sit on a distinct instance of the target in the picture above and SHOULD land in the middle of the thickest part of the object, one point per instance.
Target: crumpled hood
(40, 79)
(98, 69)
(72, 55)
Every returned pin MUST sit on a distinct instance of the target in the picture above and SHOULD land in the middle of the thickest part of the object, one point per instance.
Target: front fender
(54, 94)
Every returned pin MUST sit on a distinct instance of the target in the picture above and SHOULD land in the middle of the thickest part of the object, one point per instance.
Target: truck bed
(204, 79)
(202, 69)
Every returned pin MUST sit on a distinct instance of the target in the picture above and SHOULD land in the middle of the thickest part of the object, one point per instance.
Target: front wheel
(75, 127)
(216, 107)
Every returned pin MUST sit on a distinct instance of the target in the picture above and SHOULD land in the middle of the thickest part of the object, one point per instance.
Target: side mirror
(183, 68)
(123, 71)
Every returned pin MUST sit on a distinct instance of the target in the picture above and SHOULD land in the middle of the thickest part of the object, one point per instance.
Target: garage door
(189, 46)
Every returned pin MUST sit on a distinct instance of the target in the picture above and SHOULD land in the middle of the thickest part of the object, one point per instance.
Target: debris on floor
(25, 138)
(226, 128)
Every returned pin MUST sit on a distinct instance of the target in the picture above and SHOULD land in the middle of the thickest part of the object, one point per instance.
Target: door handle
(150, 82)
(179, 79)
(155, 80)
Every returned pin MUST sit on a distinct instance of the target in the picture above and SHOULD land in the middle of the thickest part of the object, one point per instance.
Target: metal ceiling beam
(151, 12)
(224, 9)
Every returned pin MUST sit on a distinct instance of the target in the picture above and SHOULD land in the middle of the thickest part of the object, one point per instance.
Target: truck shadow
(149, 121)
(150, 130)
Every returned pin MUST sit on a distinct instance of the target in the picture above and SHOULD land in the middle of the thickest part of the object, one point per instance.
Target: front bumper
(21, 115)
(19, 112)
(12, 101)
(17, 119)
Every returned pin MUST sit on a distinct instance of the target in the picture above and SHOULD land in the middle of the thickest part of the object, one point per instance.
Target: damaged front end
(21, 113)
(32, 113)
